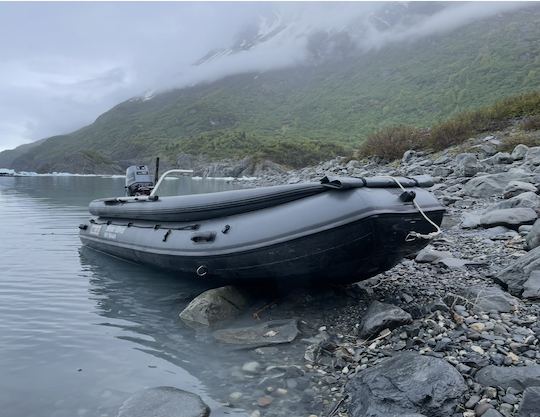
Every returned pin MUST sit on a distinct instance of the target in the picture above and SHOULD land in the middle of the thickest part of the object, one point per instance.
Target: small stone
(478, 327)
(235, 396)
(281, 392)
(251, 367)
(481, 408)
(265, 401)
(477, 349)
(490, 392)
(472, 401)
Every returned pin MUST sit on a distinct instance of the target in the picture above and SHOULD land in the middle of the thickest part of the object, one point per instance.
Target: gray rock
(442, 171)
(164, 402)
(515, 275)
(381, 316)
(492, 413)
(532, 156)
(491, 299)
(404, 385)
(500, 158)
(429, 255)
(531, 287)
(533, 236)
(407, 156)
(213, 306)
(490, 185)
(269, 333)
(470, 220)
(467, 165)
(519, 152)
(511, 218)
(527, 199)
(530, 405)
(517, 377)
(441, 160)
(518, 187)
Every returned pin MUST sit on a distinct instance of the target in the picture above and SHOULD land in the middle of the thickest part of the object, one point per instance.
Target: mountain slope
(298, 115)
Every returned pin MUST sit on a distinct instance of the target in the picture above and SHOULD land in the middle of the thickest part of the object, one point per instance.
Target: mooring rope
(416, 235)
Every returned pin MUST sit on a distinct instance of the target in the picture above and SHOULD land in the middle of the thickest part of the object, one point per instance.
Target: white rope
(416, 235)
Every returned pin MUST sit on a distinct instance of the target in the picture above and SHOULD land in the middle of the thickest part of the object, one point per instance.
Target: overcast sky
(63, 64)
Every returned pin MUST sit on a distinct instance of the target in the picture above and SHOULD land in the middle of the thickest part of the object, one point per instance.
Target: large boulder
(511, 218)
(164, 402)
(533, 237)
(491, 299)
(516, 274)
(213, 306)
(381, 316)
(518, 187)
(406, 384)
(467, 165)
(530, 405)
(517, 377)
(490, 185)
(270, 333)
(527, 199)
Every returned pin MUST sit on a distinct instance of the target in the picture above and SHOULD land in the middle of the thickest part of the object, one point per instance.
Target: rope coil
(412, 235)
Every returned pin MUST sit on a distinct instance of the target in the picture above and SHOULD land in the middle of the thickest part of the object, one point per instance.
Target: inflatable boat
(337, 230)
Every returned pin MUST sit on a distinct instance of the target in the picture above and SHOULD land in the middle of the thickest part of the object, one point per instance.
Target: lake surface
(80, 331)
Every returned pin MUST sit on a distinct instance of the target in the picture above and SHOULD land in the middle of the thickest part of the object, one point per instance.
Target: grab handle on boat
(204, 237)
(170, 171)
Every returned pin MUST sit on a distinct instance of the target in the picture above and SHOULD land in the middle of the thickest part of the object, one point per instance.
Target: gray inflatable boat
(338, 230)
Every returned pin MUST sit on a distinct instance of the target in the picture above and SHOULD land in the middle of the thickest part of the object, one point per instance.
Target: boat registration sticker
(95, 229)
(113, 231)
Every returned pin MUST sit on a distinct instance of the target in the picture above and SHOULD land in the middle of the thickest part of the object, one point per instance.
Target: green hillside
(298, 116)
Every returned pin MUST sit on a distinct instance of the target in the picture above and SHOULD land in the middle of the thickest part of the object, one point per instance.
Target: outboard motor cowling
(138, 181)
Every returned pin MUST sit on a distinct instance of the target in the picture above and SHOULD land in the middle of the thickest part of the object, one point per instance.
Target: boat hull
(331, 237)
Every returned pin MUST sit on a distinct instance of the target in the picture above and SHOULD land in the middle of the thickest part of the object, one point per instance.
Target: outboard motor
(138, 181)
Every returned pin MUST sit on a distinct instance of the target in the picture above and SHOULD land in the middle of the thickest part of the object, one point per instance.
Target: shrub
(531, 123)
(509, 143)
(391, 142)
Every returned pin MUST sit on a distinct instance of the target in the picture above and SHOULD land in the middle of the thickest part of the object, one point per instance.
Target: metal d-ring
(202, 271)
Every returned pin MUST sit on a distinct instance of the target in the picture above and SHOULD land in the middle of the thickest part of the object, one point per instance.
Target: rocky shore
(453, 331)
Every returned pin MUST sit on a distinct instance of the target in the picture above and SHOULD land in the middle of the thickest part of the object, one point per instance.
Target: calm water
(80, 331)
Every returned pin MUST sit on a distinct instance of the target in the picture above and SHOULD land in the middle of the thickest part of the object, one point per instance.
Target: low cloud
(63, 64)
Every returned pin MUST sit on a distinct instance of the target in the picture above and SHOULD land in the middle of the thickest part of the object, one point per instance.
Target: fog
(63, 64)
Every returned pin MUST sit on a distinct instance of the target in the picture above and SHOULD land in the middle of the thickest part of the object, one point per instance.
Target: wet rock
(467, 165)
(512, 218)
(381, 316)
(269, 333)
(491, 299)
(518, 187)
(533, 236)
(164, 402)
(213, 306)
(530, 405)
(519, 152)
(404, 385)
(252, 367)
(514, 276)
(531, 287)
(517, 377)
